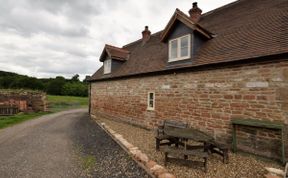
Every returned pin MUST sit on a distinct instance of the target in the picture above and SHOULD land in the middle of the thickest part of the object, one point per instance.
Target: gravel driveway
(65, 144)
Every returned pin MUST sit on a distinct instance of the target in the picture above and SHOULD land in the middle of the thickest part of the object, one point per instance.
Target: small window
(179, 48)
(151, 101)
(107, 66)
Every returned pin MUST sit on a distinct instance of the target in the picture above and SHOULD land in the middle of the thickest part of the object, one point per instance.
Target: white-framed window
(151, 101)
(107, 66)
(180, 48)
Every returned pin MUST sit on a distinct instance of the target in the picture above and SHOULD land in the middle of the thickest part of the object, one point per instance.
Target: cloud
(46, 38)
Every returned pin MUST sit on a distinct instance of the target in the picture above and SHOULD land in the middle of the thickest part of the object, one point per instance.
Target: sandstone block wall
(207, 100)
(25, 100)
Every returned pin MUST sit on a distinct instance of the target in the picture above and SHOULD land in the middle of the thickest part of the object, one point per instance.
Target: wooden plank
(258, 123)
(175, 150)
(234, 138)
(282, 147)
(177, 124)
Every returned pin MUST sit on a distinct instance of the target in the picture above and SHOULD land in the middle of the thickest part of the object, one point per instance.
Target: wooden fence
(6, 110)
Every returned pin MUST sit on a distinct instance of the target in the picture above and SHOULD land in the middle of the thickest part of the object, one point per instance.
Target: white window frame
(148, 101)
(179, 49)
(107, 66)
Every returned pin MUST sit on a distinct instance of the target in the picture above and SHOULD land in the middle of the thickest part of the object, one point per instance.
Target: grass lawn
(55, 104)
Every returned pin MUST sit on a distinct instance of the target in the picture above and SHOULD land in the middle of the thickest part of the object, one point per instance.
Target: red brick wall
(206, 99)
(24, 100)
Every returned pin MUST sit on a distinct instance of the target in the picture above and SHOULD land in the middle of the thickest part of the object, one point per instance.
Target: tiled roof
(115, 53)
(245, 29)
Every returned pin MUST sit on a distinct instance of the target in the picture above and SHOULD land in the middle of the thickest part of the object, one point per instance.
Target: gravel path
(65, 144)
(244, 166)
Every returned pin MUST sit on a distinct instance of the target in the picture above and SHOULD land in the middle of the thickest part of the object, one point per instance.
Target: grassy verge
(6, 121)
(55, 104)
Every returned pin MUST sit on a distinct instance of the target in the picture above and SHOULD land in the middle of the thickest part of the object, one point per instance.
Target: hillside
(53, 86)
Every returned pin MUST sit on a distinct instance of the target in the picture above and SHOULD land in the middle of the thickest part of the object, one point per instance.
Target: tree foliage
(75, 89)
(53, 86)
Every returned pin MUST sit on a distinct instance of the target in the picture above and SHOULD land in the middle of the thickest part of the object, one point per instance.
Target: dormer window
(179, 48)
(107, 66)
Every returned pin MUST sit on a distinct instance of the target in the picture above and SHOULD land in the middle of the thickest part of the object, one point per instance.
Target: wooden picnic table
(186, 134)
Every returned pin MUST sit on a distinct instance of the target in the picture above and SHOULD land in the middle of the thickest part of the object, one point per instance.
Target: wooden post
(185, 147)
(234, 140)
(283, 145)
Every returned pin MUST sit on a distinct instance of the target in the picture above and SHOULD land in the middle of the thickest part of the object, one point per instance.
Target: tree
(75, 89)
(87, 78)
(55, 86)
(75, 78)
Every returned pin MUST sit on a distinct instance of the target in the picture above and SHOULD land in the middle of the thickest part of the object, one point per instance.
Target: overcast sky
(48, 38)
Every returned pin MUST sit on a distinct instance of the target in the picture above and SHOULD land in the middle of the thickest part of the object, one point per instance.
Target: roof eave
(105, 51)
(258, 59)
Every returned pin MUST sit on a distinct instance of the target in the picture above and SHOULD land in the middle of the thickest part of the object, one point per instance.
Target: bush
(75, 89)
(55, 86)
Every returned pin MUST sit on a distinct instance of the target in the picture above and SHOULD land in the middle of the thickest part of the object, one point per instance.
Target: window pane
(151, 96)
(107, 66)
(184, 41)
(184, 46)
(184, 51)
(151, 104)
(151, 100)
(173, 49)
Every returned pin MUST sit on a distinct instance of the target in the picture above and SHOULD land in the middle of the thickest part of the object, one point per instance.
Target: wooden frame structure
(260, 124)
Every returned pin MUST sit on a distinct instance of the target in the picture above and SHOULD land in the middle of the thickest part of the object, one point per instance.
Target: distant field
(55, 104)
(59, 103)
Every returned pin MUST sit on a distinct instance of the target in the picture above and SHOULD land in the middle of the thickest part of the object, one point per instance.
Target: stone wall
(207, 100)
(26, 100)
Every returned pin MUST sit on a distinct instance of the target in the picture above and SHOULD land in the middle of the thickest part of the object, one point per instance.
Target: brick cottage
(204, 69)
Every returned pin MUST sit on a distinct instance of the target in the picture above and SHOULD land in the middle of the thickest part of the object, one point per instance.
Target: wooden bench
(185, 153)
(162, 138)
(220, 149)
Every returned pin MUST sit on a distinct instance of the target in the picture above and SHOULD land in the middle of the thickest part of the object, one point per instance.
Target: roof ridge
(131, 43)
(116, 48)
(221, 8)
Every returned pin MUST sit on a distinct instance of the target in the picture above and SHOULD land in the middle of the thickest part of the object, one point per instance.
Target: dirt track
(57, 145)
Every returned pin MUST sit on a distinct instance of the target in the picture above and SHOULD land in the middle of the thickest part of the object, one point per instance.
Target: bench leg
(157, 144)
(185, 157)
(176, 142)
(166, 158)
(205, 164)
(206, 147)
(225, 156)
